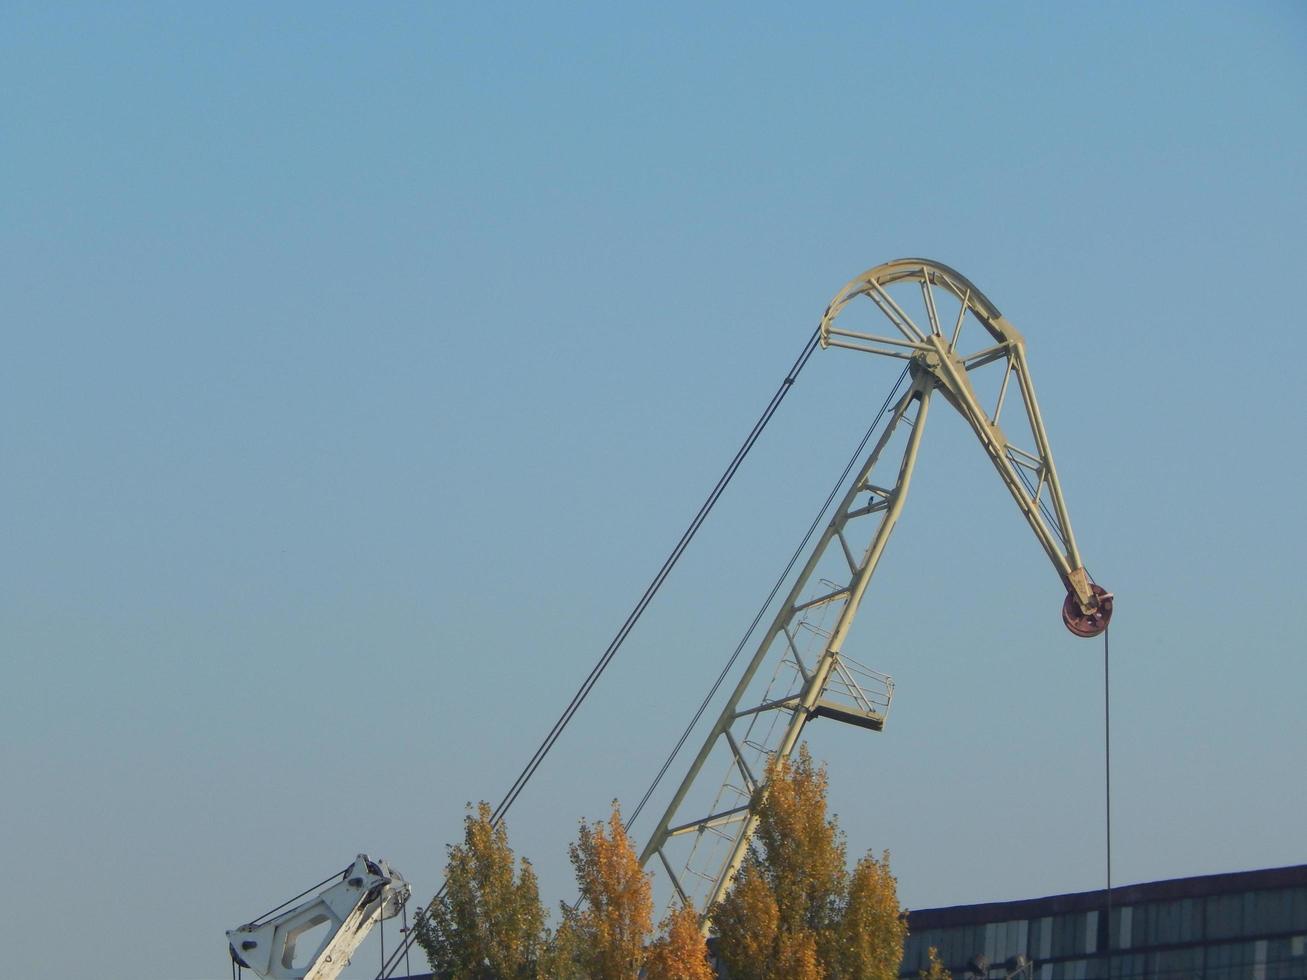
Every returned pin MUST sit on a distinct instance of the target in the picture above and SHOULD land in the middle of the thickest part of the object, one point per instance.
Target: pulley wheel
(1088, 624)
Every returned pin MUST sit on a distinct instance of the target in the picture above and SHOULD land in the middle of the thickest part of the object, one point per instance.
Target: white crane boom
(366, 892)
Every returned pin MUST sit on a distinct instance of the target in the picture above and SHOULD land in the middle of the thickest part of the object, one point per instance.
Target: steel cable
(311, 888)
(771, 597)
(592, 678)
(1107, 793)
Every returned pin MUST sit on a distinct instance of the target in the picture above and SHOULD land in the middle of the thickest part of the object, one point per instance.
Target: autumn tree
(679, 953)
(794, 911)
(612, 920)
(934, 968)
(561, 959)
(867, 943)
(489, 922)
(747, 925)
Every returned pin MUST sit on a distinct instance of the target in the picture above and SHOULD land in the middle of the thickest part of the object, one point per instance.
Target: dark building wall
(1250, 925)
(1245, 926)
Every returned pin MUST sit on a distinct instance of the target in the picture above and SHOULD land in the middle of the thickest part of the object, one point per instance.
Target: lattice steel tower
(956, 344)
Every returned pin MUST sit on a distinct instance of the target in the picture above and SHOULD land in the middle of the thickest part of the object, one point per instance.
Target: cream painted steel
(865, 501)
(939, 353)
(367, 892)
(934, 350)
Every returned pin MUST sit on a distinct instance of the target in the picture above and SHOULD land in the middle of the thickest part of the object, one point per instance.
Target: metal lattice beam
(704, 833)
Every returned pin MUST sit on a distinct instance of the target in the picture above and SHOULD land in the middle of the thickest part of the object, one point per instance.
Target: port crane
(811, 676)
(955, 344)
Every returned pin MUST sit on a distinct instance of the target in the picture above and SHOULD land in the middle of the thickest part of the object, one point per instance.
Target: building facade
(1250, 925)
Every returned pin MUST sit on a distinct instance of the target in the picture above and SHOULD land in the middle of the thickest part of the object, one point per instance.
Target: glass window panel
(1277, 957)
(1248, 919)
(912, 953)
(949, 948)
(1191, 920)
(1167, 926)
(1143, 925)
(1275, 910)
(1224, 916)
(1179, 960)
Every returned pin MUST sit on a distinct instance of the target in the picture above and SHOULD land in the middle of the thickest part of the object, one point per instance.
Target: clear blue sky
(362, 362)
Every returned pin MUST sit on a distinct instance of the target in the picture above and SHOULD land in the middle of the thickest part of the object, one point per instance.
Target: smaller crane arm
(367, 892)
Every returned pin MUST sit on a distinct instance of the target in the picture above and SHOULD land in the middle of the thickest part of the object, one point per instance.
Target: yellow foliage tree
(797, 958)
(794, 910)
(561, 957)
(868, 941)
(679, 953)
(488, 923)
(614, 917)
(934, 968)
(747, 924)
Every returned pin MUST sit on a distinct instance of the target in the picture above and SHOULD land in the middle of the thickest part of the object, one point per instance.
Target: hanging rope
(407, 969)
(606, 658)
(1107, 789)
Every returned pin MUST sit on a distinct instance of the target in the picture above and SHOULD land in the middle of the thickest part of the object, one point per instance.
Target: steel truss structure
(956, 334)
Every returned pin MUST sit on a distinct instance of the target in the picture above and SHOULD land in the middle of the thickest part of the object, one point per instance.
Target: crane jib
(957, 345)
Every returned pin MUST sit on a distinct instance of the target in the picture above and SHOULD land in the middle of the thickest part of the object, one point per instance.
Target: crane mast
(958, 336)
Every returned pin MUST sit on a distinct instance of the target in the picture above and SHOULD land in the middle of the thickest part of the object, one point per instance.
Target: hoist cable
(1052, 521)
(312, 888)
(592, 678)
(1107, 788)
(407, 969)
(771, 596)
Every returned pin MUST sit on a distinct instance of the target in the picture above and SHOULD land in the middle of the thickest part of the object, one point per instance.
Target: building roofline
(1149, 891)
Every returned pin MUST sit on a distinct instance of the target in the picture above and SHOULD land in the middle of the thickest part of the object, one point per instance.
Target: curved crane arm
(1029, 474)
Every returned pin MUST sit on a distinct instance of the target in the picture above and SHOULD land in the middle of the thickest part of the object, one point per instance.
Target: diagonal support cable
(624, 631)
